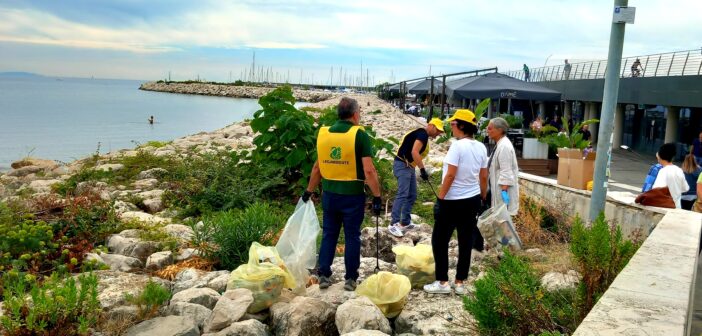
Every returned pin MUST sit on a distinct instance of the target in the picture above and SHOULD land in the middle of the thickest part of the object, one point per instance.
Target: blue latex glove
(505, 197)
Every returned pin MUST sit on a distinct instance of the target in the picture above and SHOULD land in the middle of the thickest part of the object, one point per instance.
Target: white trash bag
(297, 245)
(495, 225)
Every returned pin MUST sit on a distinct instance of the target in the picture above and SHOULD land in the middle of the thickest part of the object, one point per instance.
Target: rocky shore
(222, 90)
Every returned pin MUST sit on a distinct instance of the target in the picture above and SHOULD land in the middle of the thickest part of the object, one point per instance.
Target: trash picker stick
(377, 246)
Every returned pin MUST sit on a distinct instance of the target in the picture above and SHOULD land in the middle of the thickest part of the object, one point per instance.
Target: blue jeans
(346, 210)
(699, 160)
(406, 192)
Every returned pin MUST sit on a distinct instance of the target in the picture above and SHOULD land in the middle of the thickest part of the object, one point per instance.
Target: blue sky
(211, 39)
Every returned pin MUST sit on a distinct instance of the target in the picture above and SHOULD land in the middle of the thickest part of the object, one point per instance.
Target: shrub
(54, 307)
(509, 300)
(149, 300)
(226, 236)
(601, 252)
(26, 245)
(541, 224)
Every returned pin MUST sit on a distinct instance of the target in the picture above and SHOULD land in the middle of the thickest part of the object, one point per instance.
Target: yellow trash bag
(415, 262)
(588, 186)
(265, 275)
(388, 291)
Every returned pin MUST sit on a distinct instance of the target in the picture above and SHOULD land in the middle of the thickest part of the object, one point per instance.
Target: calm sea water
(65, 119)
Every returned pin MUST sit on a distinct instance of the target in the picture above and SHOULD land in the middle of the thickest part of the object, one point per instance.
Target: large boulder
(197, 312)
(230, 308)
(555, 280)
(121, 207)
(118, 262)
(35, 162)
(194, 278)
(142, 217)
(145, 184)
(24, 171)
(243, 328)
(165, 326)
(303, 316)
(361, 313)
(334, 295)
(179, 231)
(43, 185)
(203, 296)
(114, 285)
(152, 173)
(131, 247)
(154, 205)
(159, 260)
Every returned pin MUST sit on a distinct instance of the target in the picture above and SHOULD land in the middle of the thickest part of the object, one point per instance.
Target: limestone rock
(42, 185)
(555, 280)
(142, 217)
(113, 285)
(109, 167)
(364, 332)
(304, 316)
(230, 308)
(122, 207)
(244, 328)
(366, 269)
(334, 295)
(24, 171)
(118, 262)
(186, 253)
(165, 326)
(154, 205)
(152, 173)
(131, 233)
(203, 296)
(179, 231)
(35, 162)
(159, 260)
(145, 184)
(386, 242)
(197, 312)
(193, 278)
(361, 313)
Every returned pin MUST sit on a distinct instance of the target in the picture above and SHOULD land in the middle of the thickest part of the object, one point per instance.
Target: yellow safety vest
(423, 154)
(336, 154)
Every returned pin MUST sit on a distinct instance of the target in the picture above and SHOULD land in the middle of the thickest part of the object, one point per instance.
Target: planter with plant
(575, 156)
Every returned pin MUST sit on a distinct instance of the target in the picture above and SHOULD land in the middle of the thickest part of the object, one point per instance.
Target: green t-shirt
(363, 149)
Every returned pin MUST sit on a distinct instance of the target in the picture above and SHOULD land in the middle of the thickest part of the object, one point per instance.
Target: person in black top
(586, 133)
(412, 151)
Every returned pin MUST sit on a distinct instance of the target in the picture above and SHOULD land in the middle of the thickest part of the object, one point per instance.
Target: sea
(66, 119)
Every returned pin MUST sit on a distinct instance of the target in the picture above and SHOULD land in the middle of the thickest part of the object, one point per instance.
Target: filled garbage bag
(388, 291)
(495, 225)
(298, 243)
(416, 263)
(265, 275)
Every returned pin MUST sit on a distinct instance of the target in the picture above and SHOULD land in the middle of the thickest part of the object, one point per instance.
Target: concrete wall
(653, 294)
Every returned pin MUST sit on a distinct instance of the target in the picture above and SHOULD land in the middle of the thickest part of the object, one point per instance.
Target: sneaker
(437, 288)
(350, 285)
(395, 230)
(460, 289)
(324, 282)
(410, 226)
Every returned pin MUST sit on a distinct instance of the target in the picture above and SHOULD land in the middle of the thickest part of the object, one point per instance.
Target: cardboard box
(573, 170)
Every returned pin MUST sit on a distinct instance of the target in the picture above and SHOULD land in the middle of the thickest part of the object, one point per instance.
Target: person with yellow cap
(344, 165)
(413, 149)
(463, 187)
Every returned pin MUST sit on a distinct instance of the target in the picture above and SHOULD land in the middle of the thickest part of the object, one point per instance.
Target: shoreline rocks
(223, 90)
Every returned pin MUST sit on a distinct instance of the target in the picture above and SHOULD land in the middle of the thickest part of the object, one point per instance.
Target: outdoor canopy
(496, 86)
(419, 87)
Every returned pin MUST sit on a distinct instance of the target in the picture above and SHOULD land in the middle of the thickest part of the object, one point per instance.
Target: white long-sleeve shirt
(672, 176)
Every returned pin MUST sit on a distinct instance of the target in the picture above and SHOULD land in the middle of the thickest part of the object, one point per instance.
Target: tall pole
(443, 95)
(431, 99)
(609, 102)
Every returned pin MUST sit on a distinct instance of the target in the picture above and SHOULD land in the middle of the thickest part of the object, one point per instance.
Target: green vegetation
(149, 300)
(54, 307)
(572, 138)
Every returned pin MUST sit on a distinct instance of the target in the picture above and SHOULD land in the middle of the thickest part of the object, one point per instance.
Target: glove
(376, 206)
(505, 197)
(306, 196)
(423, 174)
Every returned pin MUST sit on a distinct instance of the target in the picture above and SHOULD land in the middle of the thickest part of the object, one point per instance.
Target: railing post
(589, 71)
(597, 72)
(700, 67)
(655, 73)
(624, 68)
(644, 69)
(671, 64)
(685, 64)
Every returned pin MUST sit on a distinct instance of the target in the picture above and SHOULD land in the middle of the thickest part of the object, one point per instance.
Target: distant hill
(19, 74)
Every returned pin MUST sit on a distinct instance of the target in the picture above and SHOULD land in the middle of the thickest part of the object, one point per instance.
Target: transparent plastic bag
(497, 229)
(298, 243)
(265, 275)
(415, 262)
(388, 291)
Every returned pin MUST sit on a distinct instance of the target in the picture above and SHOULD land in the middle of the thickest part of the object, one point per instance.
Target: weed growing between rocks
(149, 300)
(54, 307)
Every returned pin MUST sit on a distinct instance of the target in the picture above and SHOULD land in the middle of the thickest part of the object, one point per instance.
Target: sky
(323, 41)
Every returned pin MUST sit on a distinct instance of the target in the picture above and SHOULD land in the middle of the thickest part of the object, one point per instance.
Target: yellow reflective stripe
(336, 154)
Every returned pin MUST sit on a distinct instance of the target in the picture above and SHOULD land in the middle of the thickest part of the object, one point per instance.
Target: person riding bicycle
(636, 68)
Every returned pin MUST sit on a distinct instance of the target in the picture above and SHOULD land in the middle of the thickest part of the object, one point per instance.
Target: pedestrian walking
(344, 164)
(692, 172)
(413, 149)
(526, 73)
(503, 172)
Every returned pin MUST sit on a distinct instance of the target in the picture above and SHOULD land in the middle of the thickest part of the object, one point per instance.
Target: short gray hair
(500, 123)
(346, 108)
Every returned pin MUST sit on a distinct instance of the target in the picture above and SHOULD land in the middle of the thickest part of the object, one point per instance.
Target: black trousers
(450, 215)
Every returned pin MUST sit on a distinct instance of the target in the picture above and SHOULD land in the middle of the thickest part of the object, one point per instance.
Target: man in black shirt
(412, 151)
(586, 133)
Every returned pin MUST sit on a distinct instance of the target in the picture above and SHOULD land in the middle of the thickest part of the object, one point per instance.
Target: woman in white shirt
(670, 175)
(464, 185)
(502, 168)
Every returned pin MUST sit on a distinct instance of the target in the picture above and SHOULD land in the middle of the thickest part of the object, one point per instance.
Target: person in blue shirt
(697, 149)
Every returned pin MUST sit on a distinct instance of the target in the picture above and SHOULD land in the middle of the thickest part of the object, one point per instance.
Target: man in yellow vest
(344, 164)
(413, 149)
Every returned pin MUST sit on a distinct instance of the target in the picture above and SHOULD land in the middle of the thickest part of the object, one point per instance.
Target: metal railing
(678, 63)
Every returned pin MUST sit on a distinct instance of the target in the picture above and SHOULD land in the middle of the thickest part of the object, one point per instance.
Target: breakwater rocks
(222, 90)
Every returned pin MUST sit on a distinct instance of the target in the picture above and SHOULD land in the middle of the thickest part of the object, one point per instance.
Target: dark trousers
(460, 215)
(347, 211)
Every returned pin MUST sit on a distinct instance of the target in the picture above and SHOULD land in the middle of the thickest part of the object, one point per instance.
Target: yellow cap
(438, 123)
(465, 115)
